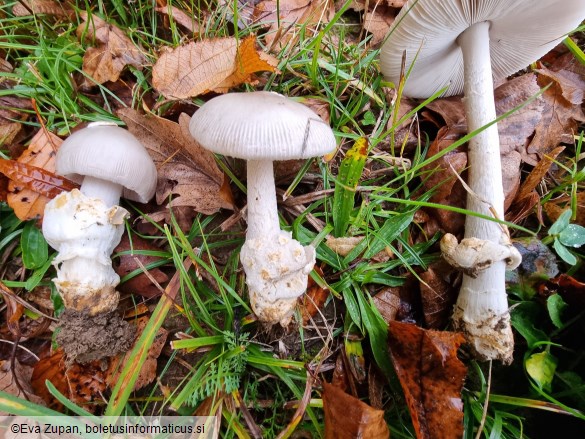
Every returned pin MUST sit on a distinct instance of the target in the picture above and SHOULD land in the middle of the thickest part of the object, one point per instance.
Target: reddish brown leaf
(147, 373)
(313, 300)
(113, 53)
(347, 417)
(186, 171)
(214, 64)
(33, 179)
(432, 378)
(127, 263)
(81, 384)
(437, 294)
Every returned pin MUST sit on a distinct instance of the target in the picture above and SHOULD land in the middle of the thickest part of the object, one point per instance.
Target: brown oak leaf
(186, 171)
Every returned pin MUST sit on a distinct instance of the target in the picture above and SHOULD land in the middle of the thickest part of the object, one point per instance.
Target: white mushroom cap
(261, 126)
(110, 153)
(521, 31)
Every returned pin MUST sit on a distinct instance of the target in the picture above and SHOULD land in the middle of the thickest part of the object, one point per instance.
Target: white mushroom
(262, 127)
(85, 225)
(458, 45)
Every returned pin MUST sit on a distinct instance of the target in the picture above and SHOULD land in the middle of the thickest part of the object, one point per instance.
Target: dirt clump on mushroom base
(85, 338)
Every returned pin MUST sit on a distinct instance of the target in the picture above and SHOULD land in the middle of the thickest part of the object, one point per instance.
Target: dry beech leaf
(33, 181)
(180, 17)
(127, 263)
(147, 373)
(49, 7)
(9, 378)
(186, 171)
(113, 53)
(81, 384)
(431, 376)
(210, 65)
(347, 417)
(291, 15)
(554, 208)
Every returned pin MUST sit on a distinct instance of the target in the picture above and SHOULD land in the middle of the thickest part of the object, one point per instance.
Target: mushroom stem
(482, 307)
(276, 265)
(106, 191)
(262, 210)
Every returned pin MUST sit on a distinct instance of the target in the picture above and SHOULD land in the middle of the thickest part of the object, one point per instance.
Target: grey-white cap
(521, 31)
(261, 126)
(110, 153)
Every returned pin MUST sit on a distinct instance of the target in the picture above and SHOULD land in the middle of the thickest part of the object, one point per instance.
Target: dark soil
(85, 338)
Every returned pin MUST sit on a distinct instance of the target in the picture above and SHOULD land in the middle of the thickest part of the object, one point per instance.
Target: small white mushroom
(262, 127)
(85, 225)
(462, 45)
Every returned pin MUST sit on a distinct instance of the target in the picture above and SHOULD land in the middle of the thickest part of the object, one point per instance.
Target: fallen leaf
(209, 65)
(127, 263)
(8, 131)
(431, 376)
(147, 373)
(286, 17)
(314, 299)
(347, 417)
(186, 171)
(82, 384)
(48, 7)
(343, 245)
(378, 21)
(17, 382)
(570, 289)
(387, 302)
(562, 109)
(33, 181)
(113, 53)
(447, 188)
(437, 294)
(189, 22)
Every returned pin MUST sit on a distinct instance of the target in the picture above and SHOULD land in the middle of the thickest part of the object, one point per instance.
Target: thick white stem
(105, 190)
(276, 265)
(482, 307)
(262, 210)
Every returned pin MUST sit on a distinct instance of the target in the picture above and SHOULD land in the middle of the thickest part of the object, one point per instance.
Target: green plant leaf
(555, 306)
(350, 171)
(564, 253)
(388, 232)
(541, 367)
(561, 223)
(523, 317)
(573, 235)
(35, 250)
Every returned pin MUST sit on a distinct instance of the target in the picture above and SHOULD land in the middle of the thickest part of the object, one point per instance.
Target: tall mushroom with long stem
(261, 127)
(462, 45)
